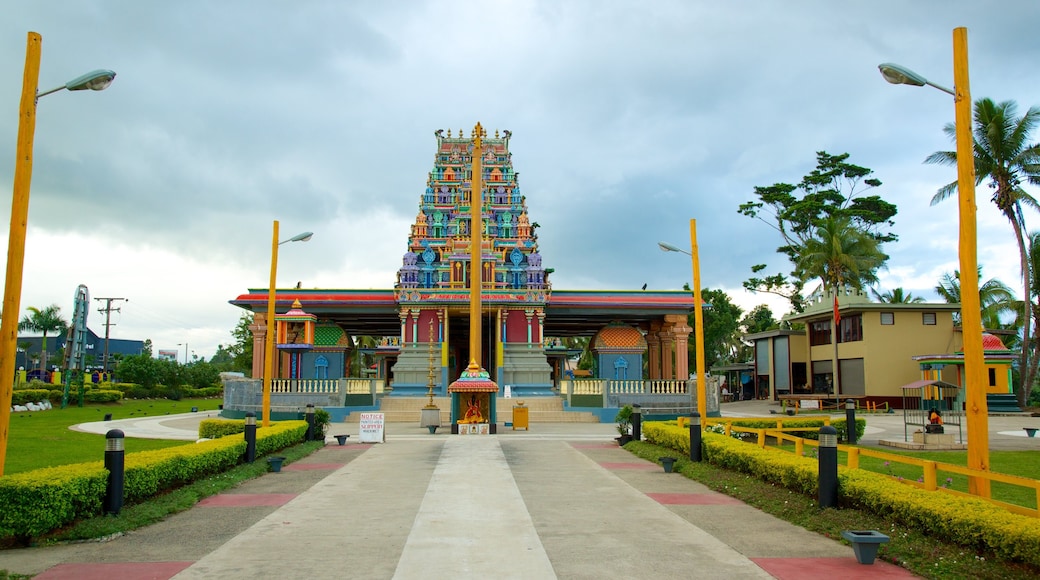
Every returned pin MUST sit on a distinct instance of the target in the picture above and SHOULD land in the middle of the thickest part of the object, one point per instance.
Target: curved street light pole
(97, 80)
(698, 318)
(269, 336)
(976, 407)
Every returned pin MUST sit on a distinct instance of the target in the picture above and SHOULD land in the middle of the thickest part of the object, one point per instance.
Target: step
(540, 410)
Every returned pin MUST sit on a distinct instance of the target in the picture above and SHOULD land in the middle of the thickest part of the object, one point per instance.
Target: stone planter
(1030, 431)
(865, 543)
(667, 463)
(276, 463)
(624, 439)
(341, 439)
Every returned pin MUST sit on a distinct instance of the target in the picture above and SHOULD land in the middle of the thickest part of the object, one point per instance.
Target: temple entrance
(458, 343)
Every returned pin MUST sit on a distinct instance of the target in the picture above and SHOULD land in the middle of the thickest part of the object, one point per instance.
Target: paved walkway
(560, 501)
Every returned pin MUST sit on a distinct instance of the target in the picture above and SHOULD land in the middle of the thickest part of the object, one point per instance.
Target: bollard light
(250, 435)
(696, 439)
(828, 467)
(850, 421)
(637, 423)
(310, 421)
(114, 462)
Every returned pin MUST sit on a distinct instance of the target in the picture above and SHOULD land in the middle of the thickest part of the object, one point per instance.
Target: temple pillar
(259, 330)
(681, 333)
(667, 354)
(653, 343)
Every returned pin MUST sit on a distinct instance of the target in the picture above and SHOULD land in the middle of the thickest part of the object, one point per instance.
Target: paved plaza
(558, 501)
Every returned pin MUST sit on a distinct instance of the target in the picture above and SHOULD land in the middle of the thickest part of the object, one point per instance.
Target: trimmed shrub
(24, 396)
(102, 396)
(217, 428)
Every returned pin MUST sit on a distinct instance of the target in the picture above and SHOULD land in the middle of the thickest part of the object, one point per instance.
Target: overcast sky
(628, 119)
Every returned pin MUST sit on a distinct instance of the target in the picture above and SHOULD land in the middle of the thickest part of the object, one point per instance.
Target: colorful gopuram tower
(433, 290)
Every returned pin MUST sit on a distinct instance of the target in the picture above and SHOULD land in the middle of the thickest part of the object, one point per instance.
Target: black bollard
(850, 421)
(828, 479)
(695, 436)
(114, 456)
(310, 422)
(637, 423)
(250, 437)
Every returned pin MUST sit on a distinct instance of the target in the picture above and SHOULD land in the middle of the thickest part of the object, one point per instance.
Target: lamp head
(666, 247)
(898, 75)
(305, 236)
(97, 80)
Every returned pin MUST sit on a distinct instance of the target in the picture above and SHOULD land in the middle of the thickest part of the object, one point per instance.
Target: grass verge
(158, 508)
(923, 555)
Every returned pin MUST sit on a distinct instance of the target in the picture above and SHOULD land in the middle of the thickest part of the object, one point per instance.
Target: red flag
(837, 317)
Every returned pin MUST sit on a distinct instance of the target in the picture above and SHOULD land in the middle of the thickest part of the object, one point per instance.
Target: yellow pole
(16, 240)
(269, 337)
(698, 321)
(977, 412)
(476, 231)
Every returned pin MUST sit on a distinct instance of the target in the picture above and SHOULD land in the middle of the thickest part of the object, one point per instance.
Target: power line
(107, 311)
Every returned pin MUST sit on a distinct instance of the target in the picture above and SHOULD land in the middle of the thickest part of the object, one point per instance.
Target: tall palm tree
(1029, 372)
(44, 320)
(840, 254)
(1004, 156)
(995, 298)
(896, 296)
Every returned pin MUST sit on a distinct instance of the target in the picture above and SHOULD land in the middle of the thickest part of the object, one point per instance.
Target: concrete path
(560, 501)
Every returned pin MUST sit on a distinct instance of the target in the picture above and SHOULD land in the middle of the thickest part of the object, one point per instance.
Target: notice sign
(814, 404)
(509, 391)
(370, 428)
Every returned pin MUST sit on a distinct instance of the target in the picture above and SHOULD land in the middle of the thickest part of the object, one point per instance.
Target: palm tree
(46, 320)
(995, 298)
(896, 296)
(1033, 346)
(840, 254)
(1004, 157)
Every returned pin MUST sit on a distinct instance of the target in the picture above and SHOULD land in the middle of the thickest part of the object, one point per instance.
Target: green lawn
(43, 438)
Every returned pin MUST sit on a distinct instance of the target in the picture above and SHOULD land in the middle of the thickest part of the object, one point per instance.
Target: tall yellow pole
(977, 412)
(698, 321)
(476, 232)
(269, 337)
(16, 240)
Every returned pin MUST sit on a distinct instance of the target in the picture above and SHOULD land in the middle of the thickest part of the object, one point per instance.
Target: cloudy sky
(628, 119)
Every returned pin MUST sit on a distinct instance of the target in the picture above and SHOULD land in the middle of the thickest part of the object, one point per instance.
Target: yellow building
(873, 350)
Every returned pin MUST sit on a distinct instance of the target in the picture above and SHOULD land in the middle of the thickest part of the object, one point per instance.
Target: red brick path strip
(312, 466)
(247, 500)
(643, 465)
(109, 571)
(694, 499)
(844, 568)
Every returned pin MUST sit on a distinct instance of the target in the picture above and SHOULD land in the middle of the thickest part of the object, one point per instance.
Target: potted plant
(624, 424)
(322, 419)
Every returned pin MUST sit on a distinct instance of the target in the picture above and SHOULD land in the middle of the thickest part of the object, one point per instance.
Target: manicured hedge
(23, 396)
(217, 428)
(966, 520)
(36, 502)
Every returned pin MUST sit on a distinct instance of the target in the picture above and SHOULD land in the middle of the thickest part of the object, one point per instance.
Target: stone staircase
(1002, 404)
(541, 410)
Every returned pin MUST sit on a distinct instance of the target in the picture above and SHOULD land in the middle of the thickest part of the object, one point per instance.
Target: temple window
(321, 367)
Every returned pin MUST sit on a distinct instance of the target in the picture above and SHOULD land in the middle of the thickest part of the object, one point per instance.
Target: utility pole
(107, 311)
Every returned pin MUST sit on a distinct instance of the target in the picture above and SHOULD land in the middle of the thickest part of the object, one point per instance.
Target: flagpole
(836, 391)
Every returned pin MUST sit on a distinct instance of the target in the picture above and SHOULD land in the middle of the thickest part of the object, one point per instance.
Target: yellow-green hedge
(217, 428)
(967, 521)
(36, 502)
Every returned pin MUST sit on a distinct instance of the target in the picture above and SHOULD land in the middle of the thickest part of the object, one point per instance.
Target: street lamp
(97, 80)
(698, 317)
(976, 409)
(269, 338)
(185, 345)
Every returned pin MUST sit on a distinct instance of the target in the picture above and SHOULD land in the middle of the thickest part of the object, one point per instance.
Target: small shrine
(294, 334)
(473, 402)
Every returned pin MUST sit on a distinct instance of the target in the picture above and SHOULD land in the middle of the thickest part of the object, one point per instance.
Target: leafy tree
(833, 190)
(1028, 373)
(721, 329)
(839, 254)
(46, 320)
(760, 319)
(146, 348)
(200, 374)
(995, 298)
(896, 296)
(1004, 156)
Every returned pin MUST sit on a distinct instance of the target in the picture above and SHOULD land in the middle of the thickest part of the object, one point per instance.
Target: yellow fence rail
(929, 480)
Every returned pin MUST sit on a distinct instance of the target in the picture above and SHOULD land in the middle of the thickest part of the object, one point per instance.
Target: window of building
(820, 332)
(928, 318)
(992, 376)
(888, 318)
(850, 328)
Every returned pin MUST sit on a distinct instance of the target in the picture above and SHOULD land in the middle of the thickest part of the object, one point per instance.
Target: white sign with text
(370, 428)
